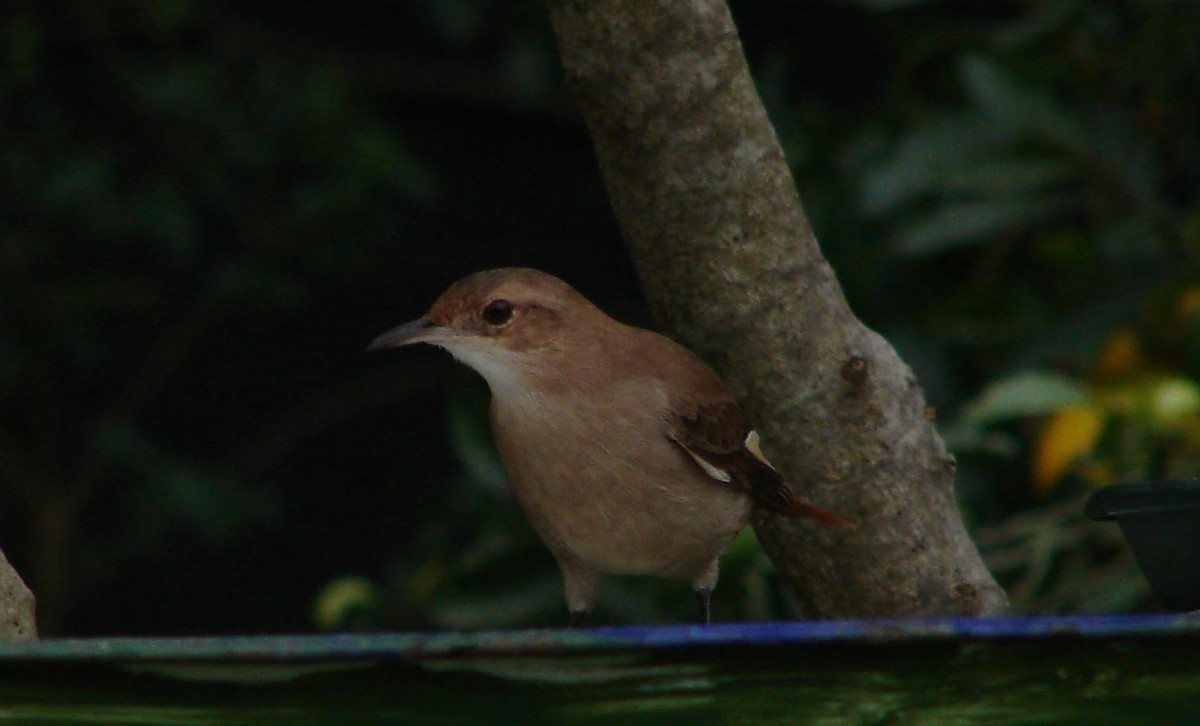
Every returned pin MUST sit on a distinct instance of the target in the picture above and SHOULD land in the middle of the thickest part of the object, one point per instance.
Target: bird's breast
(602, 483)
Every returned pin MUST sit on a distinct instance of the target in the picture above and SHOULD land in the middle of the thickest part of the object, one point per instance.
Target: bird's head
(500, 322)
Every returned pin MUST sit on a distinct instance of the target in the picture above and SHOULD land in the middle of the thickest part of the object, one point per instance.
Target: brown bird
(627, 453)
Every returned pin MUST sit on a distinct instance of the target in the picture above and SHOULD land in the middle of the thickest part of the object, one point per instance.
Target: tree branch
(730, 266)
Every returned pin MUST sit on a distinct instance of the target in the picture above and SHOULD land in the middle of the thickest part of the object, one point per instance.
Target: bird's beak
(420, 330)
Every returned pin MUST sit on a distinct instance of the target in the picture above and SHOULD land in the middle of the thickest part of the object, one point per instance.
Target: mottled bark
(16, 605)
(731, 268)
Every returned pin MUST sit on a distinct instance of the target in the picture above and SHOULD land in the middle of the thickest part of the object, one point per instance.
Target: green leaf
(963, 224)
(1025, 394)
(1018, 106)
(927, 156)
(1008, 177)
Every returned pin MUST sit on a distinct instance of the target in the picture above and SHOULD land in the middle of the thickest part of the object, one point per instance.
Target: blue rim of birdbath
(443, 645)
(998, 672)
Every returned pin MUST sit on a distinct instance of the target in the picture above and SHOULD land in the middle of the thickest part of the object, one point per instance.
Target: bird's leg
(703, 586)
(579, 586)
(704, 598)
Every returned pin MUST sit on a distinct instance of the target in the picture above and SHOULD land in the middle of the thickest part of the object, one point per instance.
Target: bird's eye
(498, 312)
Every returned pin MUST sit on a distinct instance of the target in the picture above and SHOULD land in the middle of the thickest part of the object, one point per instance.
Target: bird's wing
(719, 439)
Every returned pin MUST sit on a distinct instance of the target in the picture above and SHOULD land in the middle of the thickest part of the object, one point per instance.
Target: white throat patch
(502, 378)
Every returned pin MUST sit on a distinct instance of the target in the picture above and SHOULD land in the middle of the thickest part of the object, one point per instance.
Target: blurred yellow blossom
(1066, 436)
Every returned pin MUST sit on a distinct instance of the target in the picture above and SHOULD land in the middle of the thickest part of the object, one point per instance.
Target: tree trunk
(731, 268)
(16, 605)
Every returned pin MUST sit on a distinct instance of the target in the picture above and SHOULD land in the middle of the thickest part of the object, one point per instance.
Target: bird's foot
(704, 598)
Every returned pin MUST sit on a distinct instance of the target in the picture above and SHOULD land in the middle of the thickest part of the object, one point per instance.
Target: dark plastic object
(1161, 522)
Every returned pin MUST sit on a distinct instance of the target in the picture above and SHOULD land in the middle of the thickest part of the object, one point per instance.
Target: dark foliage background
(207, 209)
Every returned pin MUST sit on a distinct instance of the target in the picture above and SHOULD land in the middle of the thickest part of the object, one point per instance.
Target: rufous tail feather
(801, 508)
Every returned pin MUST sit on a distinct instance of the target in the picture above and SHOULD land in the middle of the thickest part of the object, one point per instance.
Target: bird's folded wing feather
(719, 439)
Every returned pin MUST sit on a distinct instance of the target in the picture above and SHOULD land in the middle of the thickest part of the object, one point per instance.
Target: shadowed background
(208, 210)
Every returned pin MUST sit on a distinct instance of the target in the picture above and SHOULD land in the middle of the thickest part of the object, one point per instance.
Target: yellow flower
(1068, 435)
(339, 597)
